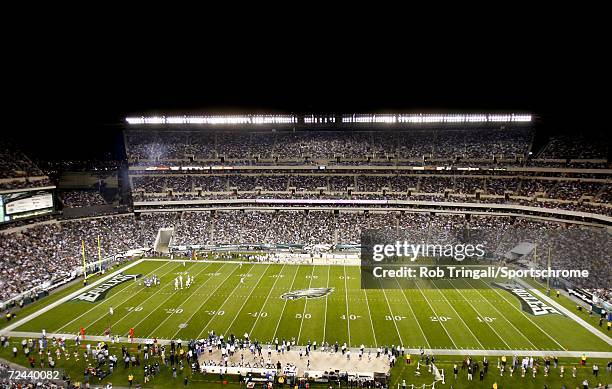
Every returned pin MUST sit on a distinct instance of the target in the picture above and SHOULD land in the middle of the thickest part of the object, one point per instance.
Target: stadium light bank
(328, 119)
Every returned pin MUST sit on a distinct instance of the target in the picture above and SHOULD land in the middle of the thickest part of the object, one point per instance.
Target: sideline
(573, 316)
(355, 350)
(72, 295)
(9, 329)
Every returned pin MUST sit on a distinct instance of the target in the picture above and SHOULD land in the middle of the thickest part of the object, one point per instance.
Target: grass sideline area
(402, 371)
(571, 305)
(55, 295)
(231, 298)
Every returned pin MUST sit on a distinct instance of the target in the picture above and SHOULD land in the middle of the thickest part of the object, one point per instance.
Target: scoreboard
(25, 204)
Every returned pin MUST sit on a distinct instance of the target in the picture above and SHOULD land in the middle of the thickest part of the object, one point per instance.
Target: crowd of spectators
(162, 200)
(44, 252)
(473, 143)
(372, 183)
(576, 147)
(565, 189)
(462, 188)
(18, 171)
(81, 198)
(498, 186)
(14, 163)
(572, 190)
(308, 182)
(47, 251)
(25, 183)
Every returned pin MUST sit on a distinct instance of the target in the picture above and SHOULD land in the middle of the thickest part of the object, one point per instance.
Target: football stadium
(320, 250)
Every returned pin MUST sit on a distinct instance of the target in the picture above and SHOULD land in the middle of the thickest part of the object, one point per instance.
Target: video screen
(21, 205)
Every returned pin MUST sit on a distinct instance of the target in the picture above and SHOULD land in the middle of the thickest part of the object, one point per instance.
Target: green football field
(233, 299)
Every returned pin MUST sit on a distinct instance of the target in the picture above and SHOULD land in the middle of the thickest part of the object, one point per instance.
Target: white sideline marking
(66, 298)
(435, 351)
(573, 316)
(105, 301)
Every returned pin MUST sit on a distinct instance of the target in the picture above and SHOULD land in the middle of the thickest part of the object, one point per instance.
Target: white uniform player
(176, 284)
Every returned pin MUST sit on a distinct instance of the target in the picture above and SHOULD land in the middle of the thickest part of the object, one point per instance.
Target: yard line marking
(304, 312)
(285, 304)
(246, 299)
(170, 296)
(391, 312)
(413, 314)
(370, 317)
(461, 318)
(523, 313)
(434, 312)
(326, 296)
(505, 318)
(209, 296)
(348, 318)
(147, 299)
(266, 301)
(109, 299)
(222, 304)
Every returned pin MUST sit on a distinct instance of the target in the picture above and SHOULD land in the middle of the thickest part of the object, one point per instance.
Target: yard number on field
(440, 318)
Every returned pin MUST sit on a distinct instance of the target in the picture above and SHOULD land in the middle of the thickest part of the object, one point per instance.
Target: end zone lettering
(99, 292)
(529, 302)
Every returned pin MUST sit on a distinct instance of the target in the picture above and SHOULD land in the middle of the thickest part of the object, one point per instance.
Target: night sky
(76, 109)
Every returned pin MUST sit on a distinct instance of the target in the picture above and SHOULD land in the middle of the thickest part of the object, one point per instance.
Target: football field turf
(233, 299)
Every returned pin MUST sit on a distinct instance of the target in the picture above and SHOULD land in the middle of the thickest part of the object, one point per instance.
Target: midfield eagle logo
(311, 293)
